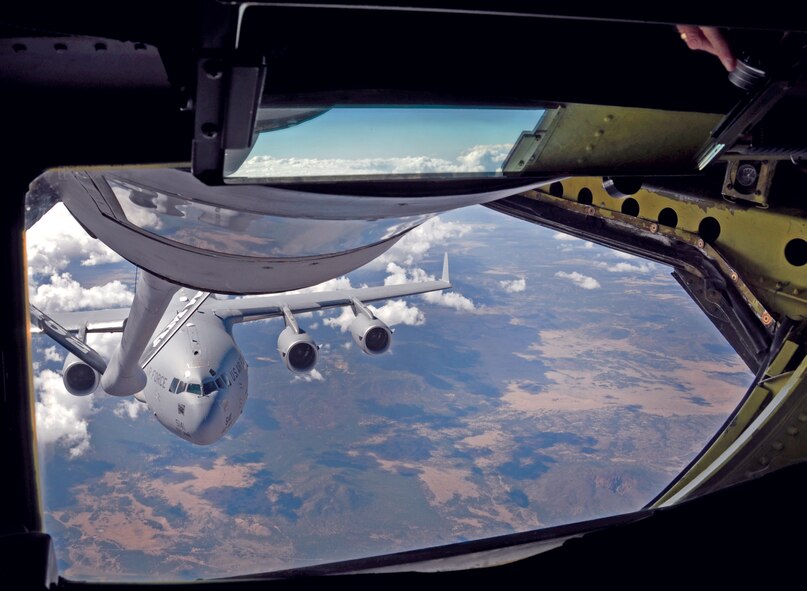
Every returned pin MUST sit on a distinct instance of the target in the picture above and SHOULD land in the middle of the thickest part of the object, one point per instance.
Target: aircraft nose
(199, 420)
(217, 420)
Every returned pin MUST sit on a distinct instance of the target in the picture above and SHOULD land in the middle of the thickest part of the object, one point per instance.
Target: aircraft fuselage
(197, 384)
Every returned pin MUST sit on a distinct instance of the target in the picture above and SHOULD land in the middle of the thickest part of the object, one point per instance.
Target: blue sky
(366, 132)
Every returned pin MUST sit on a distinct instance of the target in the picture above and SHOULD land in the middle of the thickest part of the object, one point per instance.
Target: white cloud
(129, 408)
(392, 313)
(330, 285)
(514, 285)
(450, 299)
(569, 238)
(57, 239)
(399, 275)
(399, 312)
(52, 354)
(65, 294)
(416, 244)
(623, 255)
(141, 216)
(311, 376)
(480, 158)
(61, 418)
(627, 267)
(104, 342)
(579, 279)
(342, 321)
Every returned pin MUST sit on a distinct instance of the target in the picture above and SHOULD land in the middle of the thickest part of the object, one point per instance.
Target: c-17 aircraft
(197, 379)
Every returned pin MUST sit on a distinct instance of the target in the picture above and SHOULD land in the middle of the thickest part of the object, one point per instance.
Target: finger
(720, 47)
(693, 37)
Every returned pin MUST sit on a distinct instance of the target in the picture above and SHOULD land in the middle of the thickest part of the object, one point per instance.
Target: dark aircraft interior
(703, 171)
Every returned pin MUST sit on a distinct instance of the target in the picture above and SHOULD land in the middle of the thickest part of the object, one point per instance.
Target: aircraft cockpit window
(208, 387)
(580, 394)
(372, 142)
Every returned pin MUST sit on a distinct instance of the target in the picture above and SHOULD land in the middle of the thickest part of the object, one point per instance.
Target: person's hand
(708, 39)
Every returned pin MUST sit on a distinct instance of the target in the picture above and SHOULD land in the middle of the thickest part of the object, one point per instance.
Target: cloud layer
(418, 242)
(57, 240)
(60, 417)
(55, 243)
(480, 158)
(627, 267)
(64, 294)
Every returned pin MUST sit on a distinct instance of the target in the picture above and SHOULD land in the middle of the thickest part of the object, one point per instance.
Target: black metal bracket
(228, 90)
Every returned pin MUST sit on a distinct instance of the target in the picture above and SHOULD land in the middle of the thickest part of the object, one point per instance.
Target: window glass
(209, 387)
(181, 219)
(372, 142)
(588, 381)
(195, 389)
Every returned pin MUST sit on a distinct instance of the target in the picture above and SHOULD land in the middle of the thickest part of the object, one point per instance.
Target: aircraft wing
(108, 320)
(257, 308)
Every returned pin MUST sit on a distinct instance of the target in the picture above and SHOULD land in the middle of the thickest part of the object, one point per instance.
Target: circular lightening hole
(630, 207)
(60, 47)
(619, 187)
(556, 189)
(796, 252)
(19, 47)
(585, 197)
(668, 217)
(709, 230)
(100, 47)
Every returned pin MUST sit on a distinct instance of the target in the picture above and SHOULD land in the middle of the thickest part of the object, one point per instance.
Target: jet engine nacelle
(371, 335)
(297, 349)
(79, 378)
